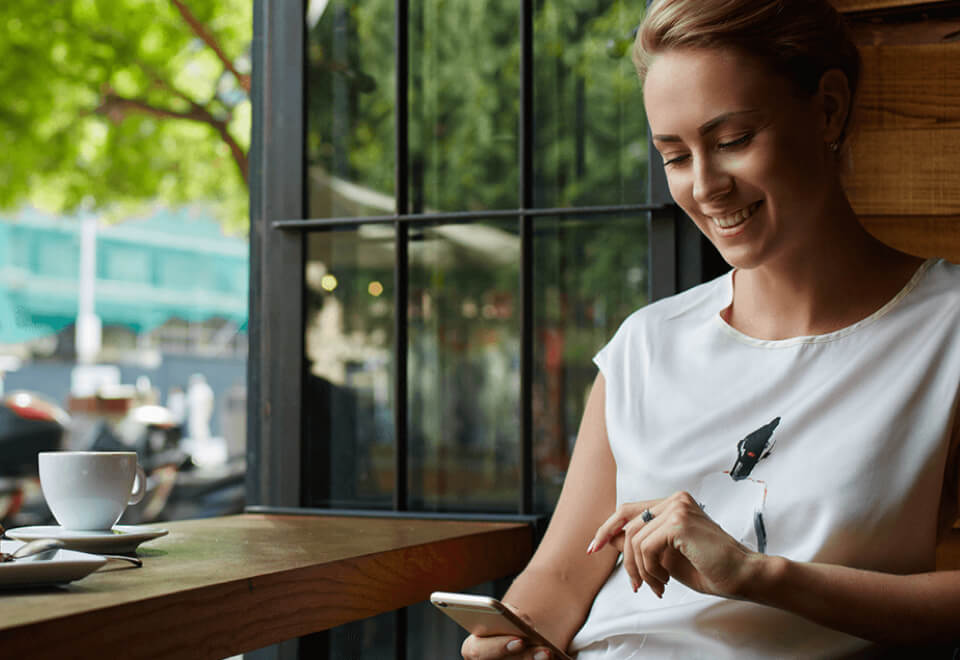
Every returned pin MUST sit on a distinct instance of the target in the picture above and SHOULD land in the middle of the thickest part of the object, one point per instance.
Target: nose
(710, 180)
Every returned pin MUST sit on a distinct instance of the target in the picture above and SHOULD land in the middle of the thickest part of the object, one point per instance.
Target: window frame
(679, 257)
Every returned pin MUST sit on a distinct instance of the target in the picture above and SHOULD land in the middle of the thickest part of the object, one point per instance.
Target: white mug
(88, 490)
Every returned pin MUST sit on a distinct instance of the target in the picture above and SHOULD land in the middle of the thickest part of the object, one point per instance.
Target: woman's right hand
(501, 646)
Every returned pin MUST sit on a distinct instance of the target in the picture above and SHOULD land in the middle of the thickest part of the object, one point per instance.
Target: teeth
(735, 219)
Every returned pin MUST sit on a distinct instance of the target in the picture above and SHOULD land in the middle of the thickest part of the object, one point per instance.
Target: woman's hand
(503, 646)
(680, 541)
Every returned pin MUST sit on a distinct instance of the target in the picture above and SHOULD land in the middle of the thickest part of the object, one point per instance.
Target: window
(450, 215)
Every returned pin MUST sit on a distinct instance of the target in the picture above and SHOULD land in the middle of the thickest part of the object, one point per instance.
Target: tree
(109, 104)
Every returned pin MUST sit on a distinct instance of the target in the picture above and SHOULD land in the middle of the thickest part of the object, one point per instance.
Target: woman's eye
(735, 143)
(675, 160)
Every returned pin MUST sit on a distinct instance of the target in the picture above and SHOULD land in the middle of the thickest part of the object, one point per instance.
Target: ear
(835, 101)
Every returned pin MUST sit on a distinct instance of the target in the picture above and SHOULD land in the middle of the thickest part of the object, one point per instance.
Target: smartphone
(484, 616)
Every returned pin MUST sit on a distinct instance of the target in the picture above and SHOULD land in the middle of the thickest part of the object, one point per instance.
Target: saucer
(120, 539)
(63, 567)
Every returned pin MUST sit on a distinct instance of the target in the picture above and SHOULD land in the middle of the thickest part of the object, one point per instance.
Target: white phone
(484, 616)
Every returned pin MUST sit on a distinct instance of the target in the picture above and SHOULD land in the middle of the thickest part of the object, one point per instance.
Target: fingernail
(515, 645)
(540, 655)
(591, 547)
(636, 587)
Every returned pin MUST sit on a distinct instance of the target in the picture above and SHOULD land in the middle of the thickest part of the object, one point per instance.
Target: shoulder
(665, 318)
(943, 277)
(937, 291)
(693, 305)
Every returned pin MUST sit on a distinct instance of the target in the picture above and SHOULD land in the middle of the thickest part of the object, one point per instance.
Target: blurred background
(124, 260)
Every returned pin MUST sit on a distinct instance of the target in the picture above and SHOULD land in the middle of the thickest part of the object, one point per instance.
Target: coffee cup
(89, 490)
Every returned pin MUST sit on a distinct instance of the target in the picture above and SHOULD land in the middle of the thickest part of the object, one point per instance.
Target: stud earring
(835, 146)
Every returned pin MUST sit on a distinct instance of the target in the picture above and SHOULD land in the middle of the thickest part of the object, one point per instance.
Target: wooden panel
(924, 236)
(870, 33)
(218, 587)
(906, 145)
(870, 5)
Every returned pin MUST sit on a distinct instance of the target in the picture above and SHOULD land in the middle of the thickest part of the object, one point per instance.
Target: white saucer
(64, 566)
(122, 538)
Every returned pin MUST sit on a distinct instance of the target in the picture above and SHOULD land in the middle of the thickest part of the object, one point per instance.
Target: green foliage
(110, 104)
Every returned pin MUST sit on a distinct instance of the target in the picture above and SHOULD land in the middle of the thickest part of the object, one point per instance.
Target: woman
(774, 452)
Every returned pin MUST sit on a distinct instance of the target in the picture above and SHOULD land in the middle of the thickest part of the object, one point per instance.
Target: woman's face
(745, 156)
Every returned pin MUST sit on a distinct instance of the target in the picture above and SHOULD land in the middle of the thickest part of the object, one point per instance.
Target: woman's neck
(849, 277)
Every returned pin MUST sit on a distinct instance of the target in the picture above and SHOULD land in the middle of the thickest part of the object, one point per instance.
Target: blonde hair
(800, 39)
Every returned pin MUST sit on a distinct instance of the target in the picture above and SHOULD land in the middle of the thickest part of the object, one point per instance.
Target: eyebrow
(707, 126)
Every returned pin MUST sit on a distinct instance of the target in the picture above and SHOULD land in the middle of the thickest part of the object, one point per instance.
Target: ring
(646, 516)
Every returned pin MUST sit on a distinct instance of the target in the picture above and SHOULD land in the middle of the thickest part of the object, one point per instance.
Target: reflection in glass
(350, 107)
(590, 274)
(464, 87)
(348, 452)
(590, 126)
(464, 367)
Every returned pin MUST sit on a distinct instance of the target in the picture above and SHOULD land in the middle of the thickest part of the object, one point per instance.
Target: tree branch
(201, 31)
(115, 107)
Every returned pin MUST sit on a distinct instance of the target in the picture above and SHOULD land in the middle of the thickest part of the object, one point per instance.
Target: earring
(835, 146)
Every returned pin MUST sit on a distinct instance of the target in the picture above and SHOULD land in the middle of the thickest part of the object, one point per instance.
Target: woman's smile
(733, 220)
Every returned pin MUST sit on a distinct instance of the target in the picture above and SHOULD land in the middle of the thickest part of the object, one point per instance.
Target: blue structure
(173, 264)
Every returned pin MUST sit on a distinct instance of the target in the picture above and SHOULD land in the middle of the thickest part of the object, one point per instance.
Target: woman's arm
(885, 608)
(558, 586)
(556, 589)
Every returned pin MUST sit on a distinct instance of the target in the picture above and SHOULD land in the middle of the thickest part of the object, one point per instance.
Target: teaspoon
(39, 546)
(36, 547)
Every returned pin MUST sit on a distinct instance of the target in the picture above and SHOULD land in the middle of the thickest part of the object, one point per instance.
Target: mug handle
(139, 486)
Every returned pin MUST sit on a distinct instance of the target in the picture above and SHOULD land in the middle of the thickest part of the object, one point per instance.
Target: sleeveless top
(829, 448)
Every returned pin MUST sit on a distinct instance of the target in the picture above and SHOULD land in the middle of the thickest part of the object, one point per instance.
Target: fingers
(645, 541)
(616, 522)
(645, 545)
(490, 648)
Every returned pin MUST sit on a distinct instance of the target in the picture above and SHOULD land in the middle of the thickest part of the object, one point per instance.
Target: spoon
(36, 547)
(39, 546)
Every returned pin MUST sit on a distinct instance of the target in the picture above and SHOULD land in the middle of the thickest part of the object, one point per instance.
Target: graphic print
(735, 500)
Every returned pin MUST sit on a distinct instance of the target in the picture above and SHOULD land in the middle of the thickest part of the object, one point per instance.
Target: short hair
(800, 39)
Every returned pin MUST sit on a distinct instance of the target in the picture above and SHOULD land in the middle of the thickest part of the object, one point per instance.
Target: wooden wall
(904, 177)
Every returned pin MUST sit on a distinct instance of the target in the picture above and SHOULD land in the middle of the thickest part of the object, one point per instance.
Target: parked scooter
(29, 424)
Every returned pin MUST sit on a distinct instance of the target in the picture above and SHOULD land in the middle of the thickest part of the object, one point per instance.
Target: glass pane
(464, 92)
(464, 367)
(350, 103)
(348, 444)
(589, 275)
(590, 136)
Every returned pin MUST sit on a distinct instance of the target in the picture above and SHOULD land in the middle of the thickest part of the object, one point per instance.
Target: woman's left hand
(680, 541)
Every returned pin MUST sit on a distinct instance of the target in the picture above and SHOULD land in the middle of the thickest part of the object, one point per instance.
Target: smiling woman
(848, 345)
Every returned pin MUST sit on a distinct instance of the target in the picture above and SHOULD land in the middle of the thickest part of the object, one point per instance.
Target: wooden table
(217, 587)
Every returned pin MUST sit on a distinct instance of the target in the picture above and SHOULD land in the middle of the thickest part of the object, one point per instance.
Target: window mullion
(526, 129)
(402, 260)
